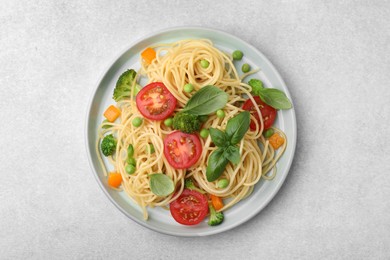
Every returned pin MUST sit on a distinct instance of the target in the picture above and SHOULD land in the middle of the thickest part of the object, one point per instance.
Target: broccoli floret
(215, 218)
(124, 85)
(190, 185)
(186, 123)
(108, 145)
(257, 86)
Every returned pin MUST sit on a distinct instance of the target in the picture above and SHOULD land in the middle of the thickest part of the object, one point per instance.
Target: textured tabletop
(334, 58)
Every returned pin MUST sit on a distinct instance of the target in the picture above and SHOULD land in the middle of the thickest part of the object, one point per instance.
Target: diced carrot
(114, 179)
(217, 202)
(276, 141)
(148, 55)
(112, 113)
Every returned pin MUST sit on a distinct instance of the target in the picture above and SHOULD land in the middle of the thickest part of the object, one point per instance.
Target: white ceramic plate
(159, 219)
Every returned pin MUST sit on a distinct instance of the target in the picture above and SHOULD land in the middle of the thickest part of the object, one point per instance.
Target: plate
(160, 220)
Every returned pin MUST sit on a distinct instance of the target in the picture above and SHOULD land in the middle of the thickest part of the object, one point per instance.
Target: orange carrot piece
(276, 141)
(112, 113)
(217, 202)
(114, 180)
(148, 55)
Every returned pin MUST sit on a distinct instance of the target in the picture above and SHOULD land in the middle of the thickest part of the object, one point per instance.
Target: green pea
(237, 55)
(106, 126)
(220, 113)
(130, 169)
(268, 133)
(168, 122)
(130, 151)
(150, 148)
(137, 121)
(204, 64)
(188, 88)
(222, 183)
(204, 133)
(245, 68)
(131, 161)
(203, 118)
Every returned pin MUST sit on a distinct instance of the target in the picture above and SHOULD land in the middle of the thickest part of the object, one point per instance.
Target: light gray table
(335, 60)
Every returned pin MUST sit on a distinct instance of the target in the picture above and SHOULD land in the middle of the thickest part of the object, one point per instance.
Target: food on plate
(196, 138)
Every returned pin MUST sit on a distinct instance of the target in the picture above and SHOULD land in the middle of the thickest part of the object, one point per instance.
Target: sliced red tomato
(155, 102)
(190, 208)
(182, 150)
(268, 113)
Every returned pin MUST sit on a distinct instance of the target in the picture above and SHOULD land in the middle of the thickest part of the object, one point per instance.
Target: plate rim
(211, 231)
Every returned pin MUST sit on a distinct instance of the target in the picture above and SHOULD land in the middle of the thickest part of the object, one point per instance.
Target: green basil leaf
(275, 98)
(216, 165)
(237, 127)
(206, 101)
(161, 184)
(232, 153)
(219, 137)
(257, 86)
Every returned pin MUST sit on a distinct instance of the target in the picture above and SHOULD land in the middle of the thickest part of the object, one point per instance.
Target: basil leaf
(237, 127)
(257, 86)
(275, 98)
(160, 184)
(216, 165)
(232, 153)
(219, 137)
(206, 101)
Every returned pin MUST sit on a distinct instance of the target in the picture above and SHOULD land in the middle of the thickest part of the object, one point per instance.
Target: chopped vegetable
(188, 88)
(276, 141)
(189, 184)
(137, 121)
(186, 122)
(222, 183)
(237, 55)
(204, 64)
(130, 169)
(257, 86)
(150, 149)
(204, 133)
(125, 84)
(108, 145)
(106, 126)
(148, 55)
(268, 133)
(216, 201)
(168, 122)
(130, 150)
(215, 218)
(112, 113)
(114, 179)
(131, 161)
(220, 113)
(246, 68)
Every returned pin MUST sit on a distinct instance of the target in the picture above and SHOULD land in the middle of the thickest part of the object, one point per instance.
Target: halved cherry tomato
(155, 102)
(268, 112)
(190, 208)
(182, 150)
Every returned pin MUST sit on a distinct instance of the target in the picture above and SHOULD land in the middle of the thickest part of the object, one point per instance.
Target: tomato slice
(182, 150)
(190, 208)
(155, 102)
(268, 113)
